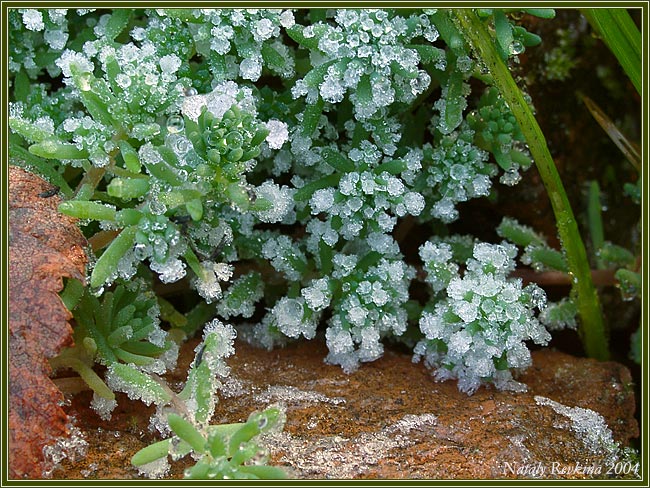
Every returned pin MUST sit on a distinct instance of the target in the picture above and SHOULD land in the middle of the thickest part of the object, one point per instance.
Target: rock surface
(391, 420)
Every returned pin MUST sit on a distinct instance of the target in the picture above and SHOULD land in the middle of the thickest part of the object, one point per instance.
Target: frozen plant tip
(227, 451)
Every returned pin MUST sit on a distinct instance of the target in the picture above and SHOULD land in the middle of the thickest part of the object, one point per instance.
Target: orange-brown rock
(390, 419)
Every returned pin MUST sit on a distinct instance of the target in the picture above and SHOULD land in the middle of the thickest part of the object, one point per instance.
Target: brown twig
(600, 277)
(102, 239)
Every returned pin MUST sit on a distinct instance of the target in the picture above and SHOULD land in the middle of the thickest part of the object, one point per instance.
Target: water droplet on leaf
(234, 139)
(175, 124)
(516, 47)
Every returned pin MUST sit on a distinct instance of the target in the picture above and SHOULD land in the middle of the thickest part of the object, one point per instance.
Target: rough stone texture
(391, 420)
(44, 247)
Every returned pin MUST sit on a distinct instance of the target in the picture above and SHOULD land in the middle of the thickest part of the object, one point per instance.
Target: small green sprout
(227, 451)
(274, 161)
(222, 451)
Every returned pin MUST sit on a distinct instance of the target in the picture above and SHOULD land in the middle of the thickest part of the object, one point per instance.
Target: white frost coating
(154, 470)
(322, 200)
(283, 252)
(331, 90)
(223, 271)
(69, 58)
(435, 252)
(208, 285)
(278, 133)
(589, 426)
(291, 394)
(45, 123)
(157, 337)
(344, 264)
(236, 301)
(414, 422)
(485, 320)
(490, 254)
(170, 271)
(287, 19)
(147, 391)
(250, 68)
(481, 185)
(56, 39)
(170, 356)
(103, 406)
(57, 15)
(33, 20)
(263, 29)
(149, 154)
(169, 63)
(226, 333)
(220, 99)
(339, 341)
(466, 311)
(414, 203)
(371, 349)
(73, 447)
(432, 326)
(383, 243)
(357, 315)
(317, 295)
(288, 314)
(445, 210)
(459, 343)
(281, 199)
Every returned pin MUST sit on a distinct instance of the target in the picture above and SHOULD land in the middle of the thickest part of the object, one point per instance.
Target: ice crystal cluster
(479, 328)
(270, 157)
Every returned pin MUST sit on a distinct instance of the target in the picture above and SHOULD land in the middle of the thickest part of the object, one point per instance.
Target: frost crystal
(479, 330)
(170, 63)
(220, 99)
(56, 39)
(157, 469)
(33, 19)
(69, 58)
(250, 69)
(278, 134)
(589, 426)
(103, 406)
(289, 317)
(318, 295)
(207, 285)
(73, 447)
(280, 199)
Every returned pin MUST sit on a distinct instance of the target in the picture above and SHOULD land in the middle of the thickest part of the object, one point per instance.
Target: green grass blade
(621, 35)
(595, 220)
(592, 329)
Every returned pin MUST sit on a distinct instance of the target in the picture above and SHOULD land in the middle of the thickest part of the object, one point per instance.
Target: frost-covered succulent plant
(269, 156)
(122, 330)
(478, 331)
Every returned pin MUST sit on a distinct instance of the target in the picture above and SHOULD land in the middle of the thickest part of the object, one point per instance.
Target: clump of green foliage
(268, 156)
(227, 451)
